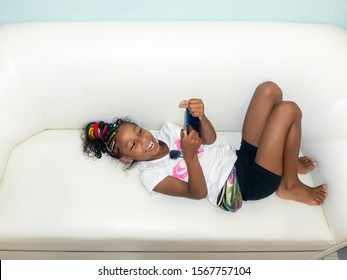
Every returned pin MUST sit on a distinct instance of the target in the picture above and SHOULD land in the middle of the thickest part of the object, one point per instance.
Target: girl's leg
(278, 152)
(267, 125)
(266, 96)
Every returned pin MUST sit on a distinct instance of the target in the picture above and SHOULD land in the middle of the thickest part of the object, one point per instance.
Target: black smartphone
(192, 121)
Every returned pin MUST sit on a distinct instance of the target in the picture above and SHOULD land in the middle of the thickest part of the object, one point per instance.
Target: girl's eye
(132, 146)
(140, 130)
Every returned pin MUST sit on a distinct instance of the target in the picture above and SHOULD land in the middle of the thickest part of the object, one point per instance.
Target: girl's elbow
(210, 140)
(200, 195)
(213, 139)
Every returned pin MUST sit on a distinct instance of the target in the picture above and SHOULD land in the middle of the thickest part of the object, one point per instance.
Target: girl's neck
(164, 150)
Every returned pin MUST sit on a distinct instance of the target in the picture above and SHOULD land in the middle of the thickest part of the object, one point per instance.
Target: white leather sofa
(55, 203)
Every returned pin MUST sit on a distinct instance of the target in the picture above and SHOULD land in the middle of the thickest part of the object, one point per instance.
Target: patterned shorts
(230, 198)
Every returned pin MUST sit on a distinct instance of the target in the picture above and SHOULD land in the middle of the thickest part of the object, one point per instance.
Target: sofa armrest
(331, 169)
(20, 117)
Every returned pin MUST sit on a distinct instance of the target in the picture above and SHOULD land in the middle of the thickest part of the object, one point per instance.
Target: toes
(324, 193)
(314, 163)
(305, 158)
(306, 164)
(320, 199)
(309, 162)
(321, 193)
(324, 187)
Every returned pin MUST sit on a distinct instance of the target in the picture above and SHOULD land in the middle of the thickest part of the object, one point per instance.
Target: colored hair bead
(105, 132)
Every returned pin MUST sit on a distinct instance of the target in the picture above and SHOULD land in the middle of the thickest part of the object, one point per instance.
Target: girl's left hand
(195, 106)
(190, 143)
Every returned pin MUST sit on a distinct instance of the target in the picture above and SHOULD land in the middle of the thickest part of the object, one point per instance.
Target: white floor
(339, 255)
(342, 254)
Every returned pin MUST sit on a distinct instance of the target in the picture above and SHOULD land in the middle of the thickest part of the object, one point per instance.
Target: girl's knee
(270, 89)
(289, 108)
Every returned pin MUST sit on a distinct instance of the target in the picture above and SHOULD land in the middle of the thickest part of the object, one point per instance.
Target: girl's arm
(197, 109)
(196, 187)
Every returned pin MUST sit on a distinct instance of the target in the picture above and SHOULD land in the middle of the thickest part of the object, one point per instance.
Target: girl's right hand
(190, 143)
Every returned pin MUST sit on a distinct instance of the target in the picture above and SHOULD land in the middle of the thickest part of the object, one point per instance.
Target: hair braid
(99, 138)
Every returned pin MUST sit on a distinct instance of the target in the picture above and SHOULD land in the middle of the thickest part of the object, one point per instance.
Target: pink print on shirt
(180, 169)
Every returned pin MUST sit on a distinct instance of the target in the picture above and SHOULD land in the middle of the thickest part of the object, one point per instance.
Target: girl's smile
(150, 146)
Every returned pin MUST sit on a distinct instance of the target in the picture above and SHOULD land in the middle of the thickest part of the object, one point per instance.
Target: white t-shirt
(216, 162)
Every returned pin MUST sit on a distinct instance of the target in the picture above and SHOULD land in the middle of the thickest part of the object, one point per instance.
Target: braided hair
(99, 138)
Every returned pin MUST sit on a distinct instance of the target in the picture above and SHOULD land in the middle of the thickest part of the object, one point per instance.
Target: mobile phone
(192, 121)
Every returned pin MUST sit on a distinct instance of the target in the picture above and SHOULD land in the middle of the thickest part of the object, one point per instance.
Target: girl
(266, 162)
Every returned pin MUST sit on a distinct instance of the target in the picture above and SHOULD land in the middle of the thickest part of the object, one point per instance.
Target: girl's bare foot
(306, 164)
(303, 193)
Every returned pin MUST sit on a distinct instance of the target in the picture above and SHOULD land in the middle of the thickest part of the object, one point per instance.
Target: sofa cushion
(52, 197)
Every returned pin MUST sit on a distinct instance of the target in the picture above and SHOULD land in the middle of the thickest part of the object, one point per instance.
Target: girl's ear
(126, 159)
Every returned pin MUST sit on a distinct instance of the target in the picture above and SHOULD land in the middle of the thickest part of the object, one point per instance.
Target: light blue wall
(305, 11)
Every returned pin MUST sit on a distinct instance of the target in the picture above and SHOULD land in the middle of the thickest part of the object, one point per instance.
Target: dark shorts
(255, 181)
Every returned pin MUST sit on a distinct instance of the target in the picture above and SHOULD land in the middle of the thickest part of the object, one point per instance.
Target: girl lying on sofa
(266, 162)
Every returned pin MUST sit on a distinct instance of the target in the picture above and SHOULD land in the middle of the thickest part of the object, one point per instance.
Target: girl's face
(136, 143)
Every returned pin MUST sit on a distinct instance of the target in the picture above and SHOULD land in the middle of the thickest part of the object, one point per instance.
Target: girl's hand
(190, 143)
(195, 107)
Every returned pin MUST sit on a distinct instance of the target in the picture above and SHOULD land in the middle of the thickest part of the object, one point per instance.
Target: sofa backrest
(62, 75)
(70, 73)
